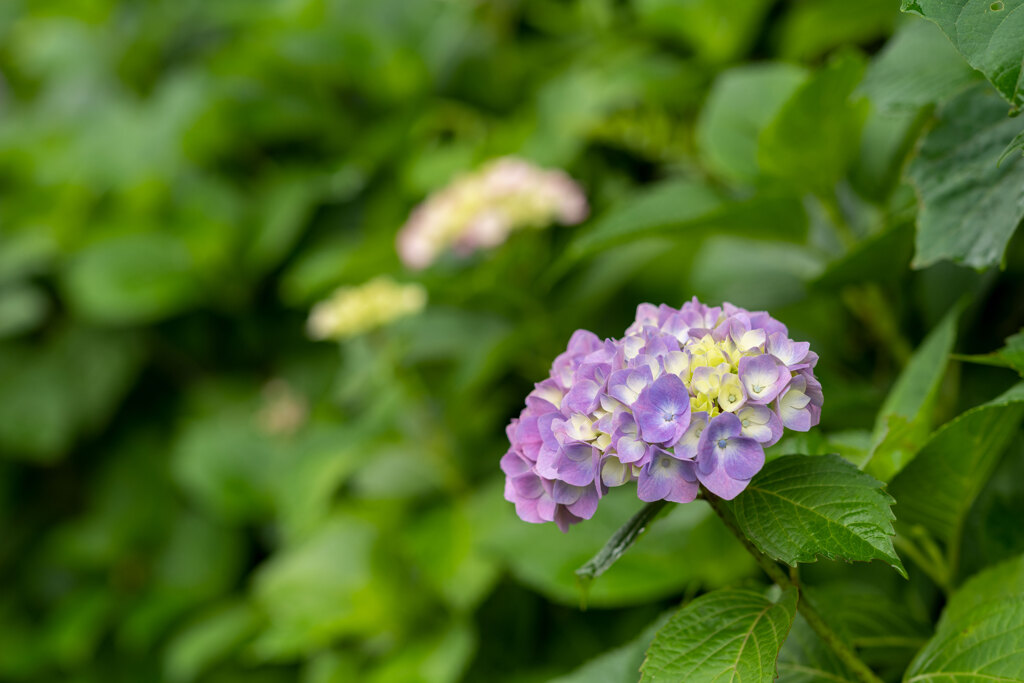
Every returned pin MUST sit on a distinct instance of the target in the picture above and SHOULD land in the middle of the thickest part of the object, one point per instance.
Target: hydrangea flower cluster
(479, 210)
(688, 397)
(351, 311)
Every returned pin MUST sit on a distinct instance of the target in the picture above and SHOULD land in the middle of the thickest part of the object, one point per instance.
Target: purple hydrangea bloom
(688, 397)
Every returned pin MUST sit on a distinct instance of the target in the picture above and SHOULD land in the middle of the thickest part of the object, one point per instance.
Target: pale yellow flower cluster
(352, 311)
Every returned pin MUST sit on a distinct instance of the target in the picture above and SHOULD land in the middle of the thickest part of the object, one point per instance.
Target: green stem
(814, 620)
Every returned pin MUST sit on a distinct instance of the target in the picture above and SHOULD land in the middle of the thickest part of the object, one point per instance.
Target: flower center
(757, 388)
(746, 423)
(722, 443)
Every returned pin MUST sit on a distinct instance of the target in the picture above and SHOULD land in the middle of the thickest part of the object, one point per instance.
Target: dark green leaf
(816, 133)
(729, 634)
(799, 507)
(938, 487)
(969, 204)
(741, 103)
(987, 34)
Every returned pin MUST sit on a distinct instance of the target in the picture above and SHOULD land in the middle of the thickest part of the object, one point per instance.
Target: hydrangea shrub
(688, 397)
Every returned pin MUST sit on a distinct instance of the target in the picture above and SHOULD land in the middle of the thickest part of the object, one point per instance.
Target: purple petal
(663, 410)
(576, 464)
(762, 377)
(742, 458)
(721, 484)
(686, 447)
(666, 478)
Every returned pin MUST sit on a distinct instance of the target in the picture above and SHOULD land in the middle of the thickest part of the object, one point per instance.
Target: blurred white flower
(479, 210)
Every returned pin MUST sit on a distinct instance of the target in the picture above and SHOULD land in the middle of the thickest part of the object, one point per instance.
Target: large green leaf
(905, 419)
(916, 68)
(799, 507)
(987, 33)
(980, 636)
(816, 133)
(727, 635)
(970, 205)
(938, 487)
(741, 103)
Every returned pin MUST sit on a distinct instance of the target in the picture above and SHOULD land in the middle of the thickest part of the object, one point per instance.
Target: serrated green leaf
(799, 507)
(816, 133)
(987, 33)
(917, 67)
(727, 635)
(905, 419)
(938, 487)
(741, 103)
(980, 636)
(970, 205)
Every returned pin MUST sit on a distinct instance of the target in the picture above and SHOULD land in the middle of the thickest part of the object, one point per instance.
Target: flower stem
(814, 620)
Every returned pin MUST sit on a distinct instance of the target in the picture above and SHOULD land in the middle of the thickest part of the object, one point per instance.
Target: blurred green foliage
(191, 490)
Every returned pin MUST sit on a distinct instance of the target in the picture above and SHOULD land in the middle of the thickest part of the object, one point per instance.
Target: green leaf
(970, 205)
(691, 210)
(22, 309)
(917, 67)
(1010, 356)
(1016, 145)
(717, 31)
(905, 419)
(131, 279)
(810, 29)
(816, 133)
(980, 636)
(207, 639)
(799, 507)
(988, 35)
(741, 103)
(729, 634)
(938, 487)
(620, 665)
